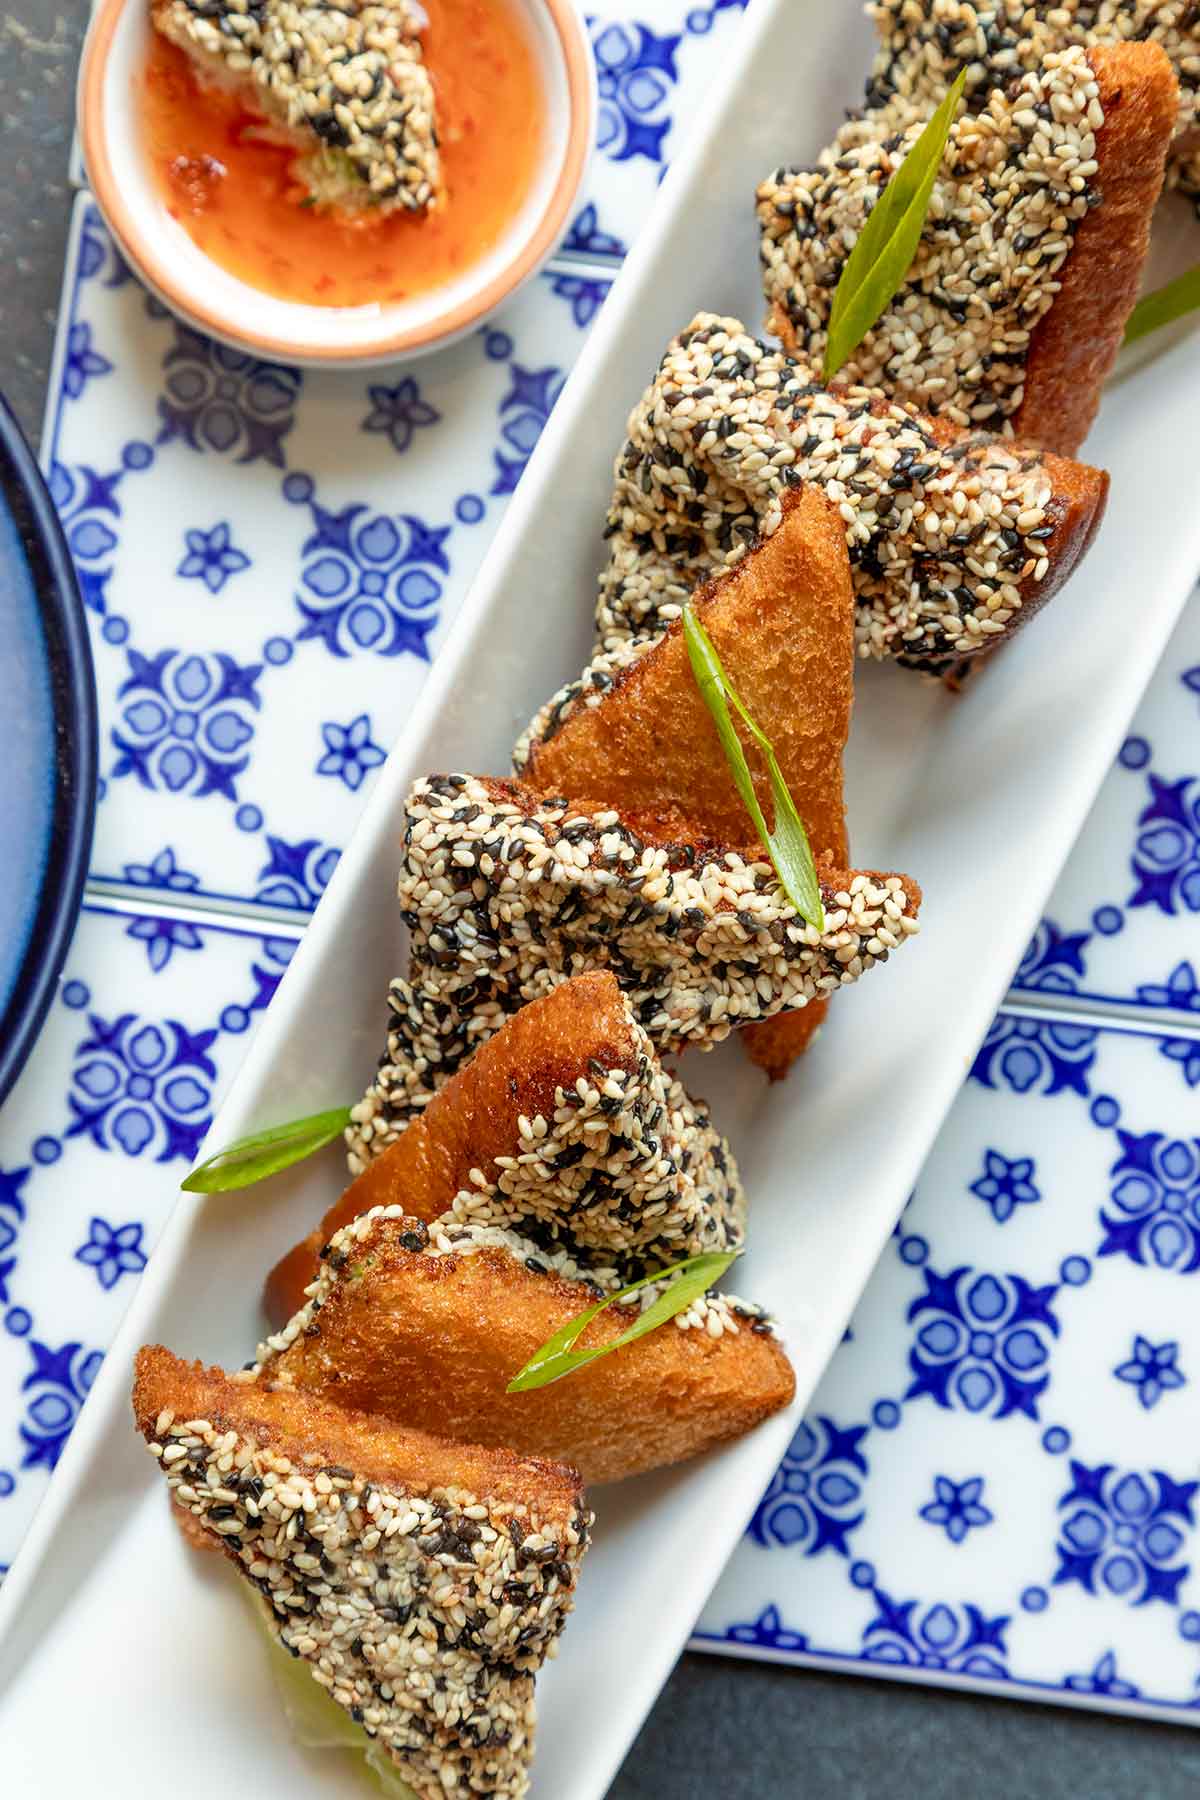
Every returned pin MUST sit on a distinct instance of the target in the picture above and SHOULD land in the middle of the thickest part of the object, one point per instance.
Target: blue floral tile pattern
(957, 1506)
(299, 536)
(113, 1251)
(211, 557)
(93, 1141)
(813, 1496)
(398, 412)
(1018, 1502)
(654, 62)
(1153, 1369)
(1128, 903)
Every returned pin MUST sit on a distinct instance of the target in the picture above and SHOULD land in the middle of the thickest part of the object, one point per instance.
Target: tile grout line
(1080, 1009)
(600, 266)
(205, 909)
(231, 915)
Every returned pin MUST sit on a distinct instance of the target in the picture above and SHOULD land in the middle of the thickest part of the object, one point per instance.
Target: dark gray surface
(726, 1730)
(722, 1730)
(39, 50)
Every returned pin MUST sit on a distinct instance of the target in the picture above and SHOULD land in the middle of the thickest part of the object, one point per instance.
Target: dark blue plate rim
(73, 700)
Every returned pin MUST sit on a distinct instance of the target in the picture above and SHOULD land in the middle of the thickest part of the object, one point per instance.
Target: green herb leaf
(881, 258)
(1165, 305)
(264, 1153)
(787, 845)
(558, 1355)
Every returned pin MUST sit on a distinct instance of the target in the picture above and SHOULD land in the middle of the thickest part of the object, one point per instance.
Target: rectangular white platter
(123, 1660)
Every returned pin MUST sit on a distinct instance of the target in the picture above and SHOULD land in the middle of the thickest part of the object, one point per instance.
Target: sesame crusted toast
(636, 729)
(423, 1582)
(428, 1326)
(924, 43)
(506, 894)
(564, 1126)
(782, 621)
(955, 538)
(1013, 310)
(345, 80)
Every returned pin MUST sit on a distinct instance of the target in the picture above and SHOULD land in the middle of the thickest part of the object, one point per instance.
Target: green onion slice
(876, 268)
(787, 845)
(264, 1153)
(558, 1355)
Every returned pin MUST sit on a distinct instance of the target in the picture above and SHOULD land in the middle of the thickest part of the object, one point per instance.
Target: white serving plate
(119, 1651)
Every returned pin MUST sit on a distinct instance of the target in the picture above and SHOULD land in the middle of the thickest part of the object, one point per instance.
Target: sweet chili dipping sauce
(240, 202)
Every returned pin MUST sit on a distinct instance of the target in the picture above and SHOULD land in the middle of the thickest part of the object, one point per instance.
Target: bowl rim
(72, 685)
(526, 260)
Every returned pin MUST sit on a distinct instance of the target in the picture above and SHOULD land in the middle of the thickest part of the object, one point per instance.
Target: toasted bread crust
(473, 1119)
(313, 1431)
(1075, 344)
(782, 621)
(666, 826)
(434, 1341)
(1077, 506)
(774, 1044)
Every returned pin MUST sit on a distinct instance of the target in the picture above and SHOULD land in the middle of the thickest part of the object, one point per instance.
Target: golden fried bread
(591, 1147)
(782, 621)
(422, 1582)
(433, 1339)
(1074, 346)
(313, 1431)
(775, 1044)
(474, 1118)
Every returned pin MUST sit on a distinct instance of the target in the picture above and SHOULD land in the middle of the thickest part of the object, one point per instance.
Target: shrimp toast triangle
(423, 1582)
(505, 894)
(1013, 309)
(955, 537)
(782, 621)
(563, 1126)
(428, 1326)
(924, 44)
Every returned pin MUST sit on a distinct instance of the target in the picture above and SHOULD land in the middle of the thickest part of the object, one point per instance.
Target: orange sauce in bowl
(240, 201)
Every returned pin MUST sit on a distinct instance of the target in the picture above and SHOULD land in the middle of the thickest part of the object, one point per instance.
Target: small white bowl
(218, 303)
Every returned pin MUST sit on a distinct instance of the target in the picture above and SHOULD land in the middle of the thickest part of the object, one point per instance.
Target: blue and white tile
(270, 559)
(998, 1477)
(152, 1017)
(654, 64)
(1123, 923)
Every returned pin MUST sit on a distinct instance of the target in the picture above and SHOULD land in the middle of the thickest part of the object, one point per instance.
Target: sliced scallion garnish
(875, 270)
(558, 1356)
(787, 844)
